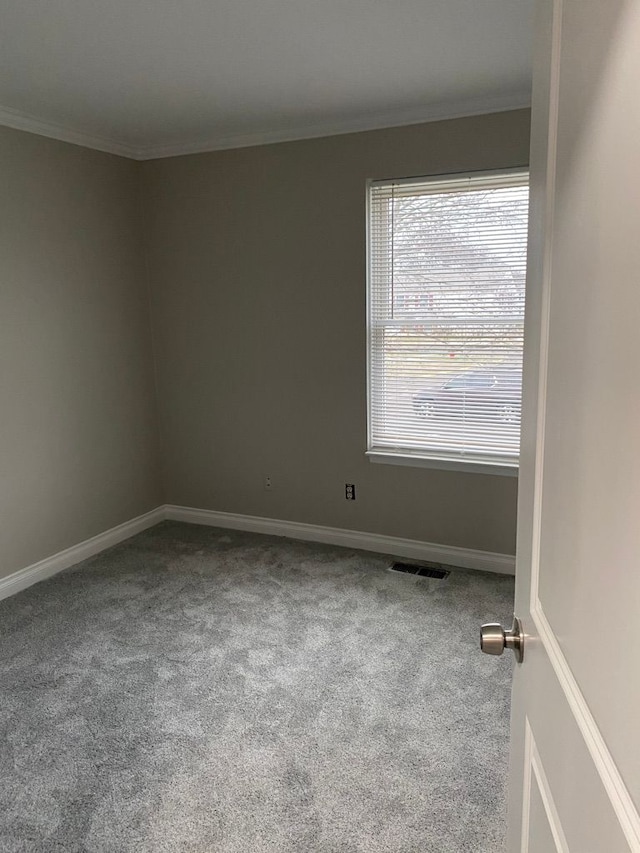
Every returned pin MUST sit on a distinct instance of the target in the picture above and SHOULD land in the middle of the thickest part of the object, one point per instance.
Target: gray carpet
(196, 689)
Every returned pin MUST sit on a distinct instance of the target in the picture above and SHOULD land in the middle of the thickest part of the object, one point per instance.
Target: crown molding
(379, 121)
(24, 121)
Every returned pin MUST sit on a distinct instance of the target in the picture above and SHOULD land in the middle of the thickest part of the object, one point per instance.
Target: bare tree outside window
(446, 294)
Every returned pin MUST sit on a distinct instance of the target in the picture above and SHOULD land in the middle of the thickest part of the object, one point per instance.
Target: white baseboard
(69, 557)
(408, 548)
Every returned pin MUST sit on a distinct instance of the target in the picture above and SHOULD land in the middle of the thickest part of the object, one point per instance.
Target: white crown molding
(23, 578)
(408, 548)
(378, 121)
(23, 121)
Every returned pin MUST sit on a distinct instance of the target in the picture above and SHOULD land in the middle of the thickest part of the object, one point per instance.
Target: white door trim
(543, 356)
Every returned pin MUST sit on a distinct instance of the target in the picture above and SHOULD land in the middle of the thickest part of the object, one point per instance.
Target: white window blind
(447, 263)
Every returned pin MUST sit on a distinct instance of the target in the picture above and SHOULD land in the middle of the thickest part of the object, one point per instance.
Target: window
(447, 264)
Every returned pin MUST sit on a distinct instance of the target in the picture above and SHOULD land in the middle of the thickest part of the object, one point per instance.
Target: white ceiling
(150, 78)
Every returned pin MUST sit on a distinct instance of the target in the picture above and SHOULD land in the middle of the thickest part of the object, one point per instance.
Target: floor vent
(425, 571)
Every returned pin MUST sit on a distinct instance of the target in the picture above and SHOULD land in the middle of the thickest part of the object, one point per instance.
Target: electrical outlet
(350, 491)
(268, 483)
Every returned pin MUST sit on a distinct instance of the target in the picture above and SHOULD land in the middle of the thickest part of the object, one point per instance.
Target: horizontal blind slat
(447, 265)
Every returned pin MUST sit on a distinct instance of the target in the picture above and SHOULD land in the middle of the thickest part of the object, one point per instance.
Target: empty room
(318, 426)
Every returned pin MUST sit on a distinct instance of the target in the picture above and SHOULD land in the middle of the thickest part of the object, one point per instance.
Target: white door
(575, 774)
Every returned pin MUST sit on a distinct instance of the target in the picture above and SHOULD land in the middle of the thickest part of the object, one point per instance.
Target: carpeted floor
(196, 689)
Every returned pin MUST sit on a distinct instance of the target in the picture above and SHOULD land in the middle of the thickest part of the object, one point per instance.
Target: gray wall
(257, 270)
(78, 438)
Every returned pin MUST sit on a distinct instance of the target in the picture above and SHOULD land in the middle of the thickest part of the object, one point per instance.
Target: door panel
(558, 750)
(575, 771)
(590, 512)
(544, 832)
(543, 840)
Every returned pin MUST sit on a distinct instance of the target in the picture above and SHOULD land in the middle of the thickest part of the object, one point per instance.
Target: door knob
(494, 639)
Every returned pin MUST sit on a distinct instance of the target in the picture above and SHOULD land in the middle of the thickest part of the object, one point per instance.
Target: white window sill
(500, 470)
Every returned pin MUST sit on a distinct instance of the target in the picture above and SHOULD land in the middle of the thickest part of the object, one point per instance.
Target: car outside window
(446, 294)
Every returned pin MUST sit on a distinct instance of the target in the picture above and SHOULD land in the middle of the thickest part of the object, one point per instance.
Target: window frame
(420, 458)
